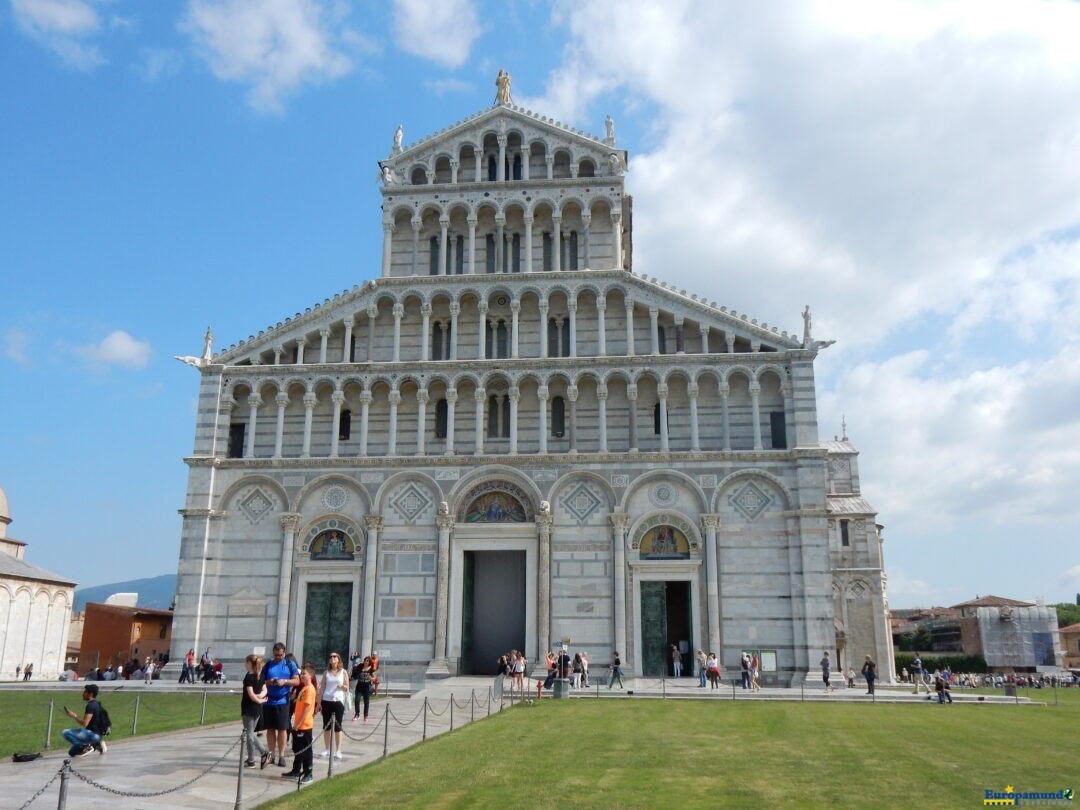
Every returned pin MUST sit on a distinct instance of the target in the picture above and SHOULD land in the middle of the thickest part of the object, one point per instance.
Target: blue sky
(909, 170)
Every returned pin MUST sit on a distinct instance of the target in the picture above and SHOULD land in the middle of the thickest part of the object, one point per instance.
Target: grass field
(658, 754)
(26, 713)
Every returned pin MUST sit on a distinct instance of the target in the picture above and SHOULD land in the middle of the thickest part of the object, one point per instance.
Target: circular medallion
(663, 495)
(334, 498)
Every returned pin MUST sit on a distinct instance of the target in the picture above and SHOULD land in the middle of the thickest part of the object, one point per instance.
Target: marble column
(425, 332)
(481, 353)
(289, 524)
(439, 667)
(601, 395)
(601, 314)
(282, 401)
(544, 524)
(528, 243)
(338, 398)
(451, 403)
(662, 393)
(542, 395)
(455, 310)
(372, 316)
(480, 396)
(300, 342)
(470, 267)
(365, 413)
(500, 170)
(556, 242)
(680, 347)
(348, 324)
(399, 311)
(309, 409)
(550, 161)
(395, 400)
(387, 248)
(572, 307)
(725, 415)
(586, 218)
(421, 420)
(416, 226)
(630, 329)
(654, 330)
(616, 235)
(543, 329)
(703, 330)
(515, 312)
(278, 351)
(695, 441)
(324, 340)
(500, 224)
(454, 165)
(571, 396)
(254, 401)
(755, 404)
(711, 523)
(515, 398)
(374, 524)
(444, 224)
(620, 522)
(631, 396)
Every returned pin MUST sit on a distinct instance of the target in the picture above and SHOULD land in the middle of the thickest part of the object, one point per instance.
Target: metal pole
(48, 727)
(202, 717)
(472, 705)
(386, 731)
(239, 803)
(135, 717)
(663, 685)
(61, 803)
(424, 737)
(330, 759)
(489, 701)
(451, 711)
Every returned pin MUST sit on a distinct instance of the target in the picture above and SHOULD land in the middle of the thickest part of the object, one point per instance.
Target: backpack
(104, 724)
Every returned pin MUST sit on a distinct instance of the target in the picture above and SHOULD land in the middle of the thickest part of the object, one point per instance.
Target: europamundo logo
(1011, 797)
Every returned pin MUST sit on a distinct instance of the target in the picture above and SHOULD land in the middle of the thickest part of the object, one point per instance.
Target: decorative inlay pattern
(447, 475)
(664, 495)
(410, 501)
(840, 466)
(334, 498)
(620, 480)
(581, 502)
(543, 475)
(750, 500)
(707, 480)
(256, 504)
(371, 477)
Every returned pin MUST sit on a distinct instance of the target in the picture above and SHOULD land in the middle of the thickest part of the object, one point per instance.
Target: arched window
(661, 339)
(489, 250)
(493, 168)
(572, 252)
(236, 439)
(558, 417)
(517, 166)
(441, 413)
(778, 429)
(656, 418)
(498, 421)
(502, 334)
(433, 256)
(459, 255)
(437, 350)
(565, 338)
(546, 259)
(345, 426)
(515, 253)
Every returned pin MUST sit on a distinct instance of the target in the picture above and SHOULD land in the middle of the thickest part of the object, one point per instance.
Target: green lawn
(26, 714)
(653, 753)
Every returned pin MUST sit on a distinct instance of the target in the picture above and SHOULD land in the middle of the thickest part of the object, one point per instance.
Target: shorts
(332, 710)
(276, 717)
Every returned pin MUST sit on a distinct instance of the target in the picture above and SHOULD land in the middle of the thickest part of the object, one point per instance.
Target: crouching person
(92, 725)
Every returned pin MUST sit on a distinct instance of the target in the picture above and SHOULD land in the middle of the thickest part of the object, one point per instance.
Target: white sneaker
(337, 755)
(103, 748)
(325, 754)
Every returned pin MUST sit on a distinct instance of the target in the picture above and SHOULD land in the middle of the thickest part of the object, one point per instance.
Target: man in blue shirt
(280, 675)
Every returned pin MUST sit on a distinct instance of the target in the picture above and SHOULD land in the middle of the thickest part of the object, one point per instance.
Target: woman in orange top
(302, 723)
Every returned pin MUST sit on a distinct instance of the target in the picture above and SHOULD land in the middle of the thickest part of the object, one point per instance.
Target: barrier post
(451, 711)
(489, 699)
(61, 803)
(386, 731)
(135, 717)
(48, 726)
(330, 759)
(202, 716)
(472, 705)
(424, 737)
(239, 803)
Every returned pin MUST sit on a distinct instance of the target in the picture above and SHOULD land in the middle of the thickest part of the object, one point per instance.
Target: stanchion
(472, 705)
(489, 698)
(451, 711)
(239, 803)
(330, 759)
(202, 717)
(663, 686)
(386, 731)
(424, 737)
(135, 717)
(48, 726)
(61, 802)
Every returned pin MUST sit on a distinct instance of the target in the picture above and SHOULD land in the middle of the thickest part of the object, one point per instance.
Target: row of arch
(599, 201)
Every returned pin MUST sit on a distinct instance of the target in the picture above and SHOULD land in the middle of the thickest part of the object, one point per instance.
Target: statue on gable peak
(502, 88)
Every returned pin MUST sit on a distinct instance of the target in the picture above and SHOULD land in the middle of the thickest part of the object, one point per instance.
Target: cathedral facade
(512, 439)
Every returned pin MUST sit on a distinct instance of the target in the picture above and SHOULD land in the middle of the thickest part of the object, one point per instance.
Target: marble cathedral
(512, 437)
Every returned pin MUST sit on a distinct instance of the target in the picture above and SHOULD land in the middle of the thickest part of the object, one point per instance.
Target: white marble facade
(640, 435)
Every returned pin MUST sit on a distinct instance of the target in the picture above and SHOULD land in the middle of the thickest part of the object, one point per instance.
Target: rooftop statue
(207, 355)
(806, 318)
(502, 88)
(399, 133)
(615, 164)
(609, 131)
(388, 176)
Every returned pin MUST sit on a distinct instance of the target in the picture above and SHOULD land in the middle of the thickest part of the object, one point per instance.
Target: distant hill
(155, 592)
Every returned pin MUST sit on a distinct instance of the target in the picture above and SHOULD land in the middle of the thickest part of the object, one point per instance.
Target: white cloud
(158, 63)
(440, 87)
(276, 46)
(15, 346)
(64, 27)
(443, 32)
(118, 348)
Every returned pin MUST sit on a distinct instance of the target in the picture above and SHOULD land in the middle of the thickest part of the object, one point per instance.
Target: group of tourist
(282, 698)
(206, 669)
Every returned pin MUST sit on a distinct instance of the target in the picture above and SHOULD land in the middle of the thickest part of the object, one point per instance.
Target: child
(302, 723)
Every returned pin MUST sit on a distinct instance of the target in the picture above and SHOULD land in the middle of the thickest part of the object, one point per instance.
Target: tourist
(941, 686)
(676, 661)
(703, 666)
(303, 721)
(206, 664)
(251, 710)
(712, 670)
(92, 725)
(755, 665)
(362, 674)
(334, 693)
(18, 672)
(564, 664)
(519, 672)
(187, 667)
(575, 671)
(917, 676)
(826, 670)
(28, 671)
(869, 671)
(616, 670)
(148, 671)
(584, 669)
(280, 675)
(744, 666)
(374, 673)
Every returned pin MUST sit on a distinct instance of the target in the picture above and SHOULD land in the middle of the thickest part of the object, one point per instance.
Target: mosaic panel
(750, 500)
(410, 502)
(581, 502)
(256, 504)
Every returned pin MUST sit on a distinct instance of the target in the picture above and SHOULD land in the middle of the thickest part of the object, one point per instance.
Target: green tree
(1067, 614)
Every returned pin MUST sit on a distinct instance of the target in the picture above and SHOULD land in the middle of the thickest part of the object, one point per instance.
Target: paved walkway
(164, 762)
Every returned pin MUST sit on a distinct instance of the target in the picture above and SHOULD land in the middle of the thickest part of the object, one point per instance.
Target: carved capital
(310, 400)
(620, 522)
(455, 309)
(755, 388)
(710, 522)
(631, 392)
(395, 398)
(542, 393)
(425, 310)
(372, 313)
(422, 395)
(662, 391)
(255, 401)
(572, 305)
(601, 305)
(528, 219)
(515, 306)
(479, 396)
(290, 522)
(374, 523)
(282, 400)
(692, 390)
(515, 394)
(544, 524)
(399, 310)
(338, 398)
(451, 395)
(444, 522)
(324, 332)
(482, 306)
(601, 392)
(365, 397)
(572, 393)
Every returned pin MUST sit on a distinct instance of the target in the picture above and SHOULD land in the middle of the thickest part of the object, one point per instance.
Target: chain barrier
(438, 714)
(398, 720)
(47, 785)
(153, 794)
(459, 705)
(367, 736)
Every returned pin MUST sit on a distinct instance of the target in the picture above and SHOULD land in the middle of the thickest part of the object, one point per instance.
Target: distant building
(116, 634)
(1070, 645)
(35, 606)
(1011, 635)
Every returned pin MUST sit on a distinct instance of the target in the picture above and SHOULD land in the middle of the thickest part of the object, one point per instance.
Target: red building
(116, 634)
